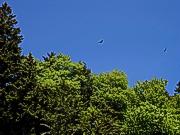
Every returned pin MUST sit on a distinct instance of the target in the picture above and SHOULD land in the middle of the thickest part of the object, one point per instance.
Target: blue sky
(135, 33)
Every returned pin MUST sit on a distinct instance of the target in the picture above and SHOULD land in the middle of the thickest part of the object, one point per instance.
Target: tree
(9, 47)
(110, 99)
(155, 113)
(58, 96)
(153, 91)
(10, 57)
(65, 90)
(17, 76)
(151, 120)
(177, 90)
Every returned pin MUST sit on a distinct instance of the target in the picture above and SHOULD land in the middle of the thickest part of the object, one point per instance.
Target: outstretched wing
(165, 49)
(101, 41)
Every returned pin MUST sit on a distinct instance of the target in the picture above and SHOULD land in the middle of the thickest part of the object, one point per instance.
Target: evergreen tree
(10, 57)
(177, 90)
(10, 51)
(17, 76)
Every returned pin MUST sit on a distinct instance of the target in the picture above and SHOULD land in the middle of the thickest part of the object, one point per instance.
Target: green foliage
(151, 120)
(152, 91)
(108, 103)
(65, 90)
(16, 76)
(9, 68)
(58, 96)
(154, 114)
(9, 50)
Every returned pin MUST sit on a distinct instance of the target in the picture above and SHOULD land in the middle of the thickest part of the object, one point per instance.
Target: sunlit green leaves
(152, 91)
(64, 88)
(61, 97)
(149, 119)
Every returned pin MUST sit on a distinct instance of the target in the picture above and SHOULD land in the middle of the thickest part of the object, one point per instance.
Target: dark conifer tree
(177, 90)
(10, 52)
(10, 57)
(17, 77)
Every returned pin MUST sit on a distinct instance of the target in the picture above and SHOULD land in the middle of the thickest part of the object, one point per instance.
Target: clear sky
(135, 33)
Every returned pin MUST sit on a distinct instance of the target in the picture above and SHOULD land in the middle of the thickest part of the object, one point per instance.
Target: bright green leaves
(114, 79)
(108, 88)
(80, 102)
(107, 104)
(150, 119)
(58, 96)
(152, 91)
(154, 113)
(66, 89)
(144, 119)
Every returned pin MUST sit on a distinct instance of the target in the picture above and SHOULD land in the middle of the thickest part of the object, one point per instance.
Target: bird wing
(100, 41)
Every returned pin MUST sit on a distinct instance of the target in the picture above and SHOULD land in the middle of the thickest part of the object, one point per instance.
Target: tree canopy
(60, 97)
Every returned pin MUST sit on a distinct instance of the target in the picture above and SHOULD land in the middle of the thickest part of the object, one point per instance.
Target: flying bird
(100, 41)
(165, 49)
